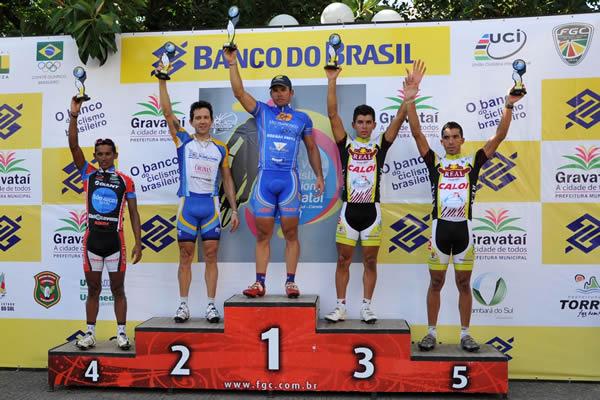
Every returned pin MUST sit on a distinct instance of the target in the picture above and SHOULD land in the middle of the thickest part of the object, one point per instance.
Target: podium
(279, 344)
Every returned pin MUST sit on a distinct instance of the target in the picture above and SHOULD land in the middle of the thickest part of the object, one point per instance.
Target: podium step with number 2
(278, 344)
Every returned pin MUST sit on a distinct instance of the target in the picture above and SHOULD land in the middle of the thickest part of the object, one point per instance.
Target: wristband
(510, 106)
(73, 115)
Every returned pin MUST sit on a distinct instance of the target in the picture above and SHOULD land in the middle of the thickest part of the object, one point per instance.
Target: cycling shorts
(104, 249)
(359, 220)
(276, 192)
(198, 212)
(451, 239)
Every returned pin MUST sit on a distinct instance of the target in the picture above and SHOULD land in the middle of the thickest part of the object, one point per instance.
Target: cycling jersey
(362, 161)
(454, 183)
(280, 131)
(103, 242)
(199, 164)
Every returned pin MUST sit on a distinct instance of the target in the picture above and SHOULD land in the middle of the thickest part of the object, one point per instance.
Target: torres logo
(47, 290)
(409, 233)
(176, 62)
(499, 46)
(586, 111)
(586, 234)
(572, 41)
(586, 303)
(587, 285)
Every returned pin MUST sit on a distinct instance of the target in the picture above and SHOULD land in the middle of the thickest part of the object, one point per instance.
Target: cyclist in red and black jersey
(106, 190)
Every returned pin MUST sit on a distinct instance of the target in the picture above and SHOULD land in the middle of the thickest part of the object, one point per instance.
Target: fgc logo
(409, 231)
(156, 233)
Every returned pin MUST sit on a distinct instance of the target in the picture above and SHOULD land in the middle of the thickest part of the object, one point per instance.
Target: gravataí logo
(47, 290)
(586, 234)
(420, 102)
(586, 111)
(584, 159)
(157, 233)
(10, 164)
(77, 222)
(409, 231)
(572, 41)
(8, 232)
(152, 108)
(497, 221)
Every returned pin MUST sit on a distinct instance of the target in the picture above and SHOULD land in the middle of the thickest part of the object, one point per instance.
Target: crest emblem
(47, 291)
(572, 41)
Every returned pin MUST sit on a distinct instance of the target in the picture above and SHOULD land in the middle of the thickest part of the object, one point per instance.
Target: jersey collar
(110, 169)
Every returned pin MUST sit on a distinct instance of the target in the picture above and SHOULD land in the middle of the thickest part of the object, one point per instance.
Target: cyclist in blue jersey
(203, 164)
(280, 131)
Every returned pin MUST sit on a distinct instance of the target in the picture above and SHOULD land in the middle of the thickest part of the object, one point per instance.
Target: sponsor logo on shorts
(586, 109)
(157, 233)
(572, 41)
(586, 234)
(409, 231)
(47, 290)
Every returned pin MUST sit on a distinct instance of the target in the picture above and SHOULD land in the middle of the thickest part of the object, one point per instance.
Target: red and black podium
(279, 344)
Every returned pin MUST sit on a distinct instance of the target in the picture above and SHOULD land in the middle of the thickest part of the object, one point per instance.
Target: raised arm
(165, 105)
(410, 93)
(245, 99)
(337, 126)
(411, 88)
(76, 152)
(492, 144)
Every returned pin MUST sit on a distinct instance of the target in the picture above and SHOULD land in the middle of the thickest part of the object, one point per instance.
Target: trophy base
(518, 92)
(163, 76)
(81, 98)
(230, 46)
(331, 66)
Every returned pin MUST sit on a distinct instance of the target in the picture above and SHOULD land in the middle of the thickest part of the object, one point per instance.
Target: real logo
(409, 231)
(8, 232)
(586, 234)
(156, 232)
(572, 41)
(586, 111)
(47, 290)
(489, 289)
(8, 120)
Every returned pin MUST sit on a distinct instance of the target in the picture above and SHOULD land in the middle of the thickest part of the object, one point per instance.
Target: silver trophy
(333, 45)
(80, 77)
(234, 17)
(519, 68)
(165, 61)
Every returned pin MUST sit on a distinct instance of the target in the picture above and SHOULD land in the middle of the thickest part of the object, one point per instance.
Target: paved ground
(32, 385)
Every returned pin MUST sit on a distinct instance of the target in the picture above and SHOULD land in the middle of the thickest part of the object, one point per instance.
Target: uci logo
(498, 46)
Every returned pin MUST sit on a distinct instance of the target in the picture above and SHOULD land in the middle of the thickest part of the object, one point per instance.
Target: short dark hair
(107, 142)
(200, 104)
(452, 125)
(363, 109)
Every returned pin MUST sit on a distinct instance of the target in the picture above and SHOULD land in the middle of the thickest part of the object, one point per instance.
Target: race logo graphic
(587, 286)
(157, 233)
(586, 237)
(224, 122)
(47, 290)
(572, 41)
(497, 236)
(8, 232)
(2, 285)
(586, 303)
(176, 61)
(427, 113)
(499, 46)
(91, 118)
(68, 238)
(488, 112)
(503, 346)
(8, 120)
(586, 111)
(409, 231)
(489, 289)
(149, 124)
(495, 173)
(579, 178)
(4, 65)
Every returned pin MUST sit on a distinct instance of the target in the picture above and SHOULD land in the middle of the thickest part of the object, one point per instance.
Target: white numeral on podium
(272, 338)
(178, 370)
(92, 371)
(460, 379)
(365, 362)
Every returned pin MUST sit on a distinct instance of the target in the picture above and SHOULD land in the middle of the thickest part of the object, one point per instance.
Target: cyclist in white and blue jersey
(280, 131)
(203, 164)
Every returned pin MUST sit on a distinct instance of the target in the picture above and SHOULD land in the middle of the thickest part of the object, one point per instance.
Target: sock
(432, 331)
(341, 303)
(290, 277)
(91, 328)
(211, 300)
(183, 299)
(121, 329)
(366, 303)
(261, 278)
(464, 331)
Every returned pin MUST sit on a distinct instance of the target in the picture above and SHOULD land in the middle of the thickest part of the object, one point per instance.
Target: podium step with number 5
(278, 344)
